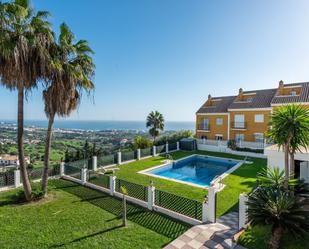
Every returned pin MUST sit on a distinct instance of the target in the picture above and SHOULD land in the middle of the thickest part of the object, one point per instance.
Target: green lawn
(78, 217)
(240, 181)
(258, 238)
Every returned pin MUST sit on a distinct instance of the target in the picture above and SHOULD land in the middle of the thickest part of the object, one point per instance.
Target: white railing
(212, 142)
(251, 145)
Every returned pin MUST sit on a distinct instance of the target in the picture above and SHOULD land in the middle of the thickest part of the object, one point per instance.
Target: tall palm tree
(72, 70)
(155, 121)
(280, 209)
(25, 37)
(298, 121)
(289, 130)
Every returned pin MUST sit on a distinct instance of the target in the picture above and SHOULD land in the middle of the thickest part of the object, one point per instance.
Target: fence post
(154, 150)
(151, 196)
(61, 169)
(138, 154)
(243, 216)
(166, 148)
(177, 146)
(119, 157)
(84, 175)
(112, 184)
(94, 163)
(17, 182)
(209, 206)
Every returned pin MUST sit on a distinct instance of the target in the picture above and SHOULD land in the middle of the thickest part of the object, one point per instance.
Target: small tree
(124, 205)
(141, 142)
(155, 123)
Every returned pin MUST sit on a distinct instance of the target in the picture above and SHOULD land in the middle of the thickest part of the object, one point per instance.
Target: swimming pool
(195, 170)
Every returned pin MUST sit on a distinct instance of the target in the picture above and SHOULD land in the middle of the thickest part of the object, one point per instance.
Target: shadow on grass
(151, 220)
(86, 237)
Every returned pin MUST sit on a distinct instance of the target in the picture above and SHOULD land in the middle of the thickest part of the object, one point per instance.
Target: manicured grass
(240, 181)
(258, 238)
(77, 217)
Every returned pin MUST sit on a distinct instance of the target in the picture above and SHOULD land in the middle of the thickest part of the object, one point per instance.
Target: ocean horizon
(105, 124)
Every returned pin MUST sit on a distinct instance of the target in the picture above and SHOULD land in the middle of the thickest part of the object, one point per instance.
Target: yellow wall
(214, 129)
(251, 126)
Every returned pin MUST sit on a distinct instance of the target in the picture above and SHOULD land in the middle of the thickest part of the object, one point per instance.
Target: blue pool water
(200, 170)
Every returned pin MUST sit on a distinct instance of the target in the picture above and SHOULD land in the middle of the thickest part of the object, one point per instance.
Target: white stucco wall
(275, 157)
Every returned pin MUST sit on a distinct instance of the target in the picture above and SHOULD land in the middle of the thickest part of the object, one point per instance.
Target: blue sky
(168, 55)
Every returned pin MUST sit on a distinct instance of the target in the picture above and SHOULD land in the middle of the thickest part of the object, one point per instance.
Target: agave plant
(275, 178)
(280, 209)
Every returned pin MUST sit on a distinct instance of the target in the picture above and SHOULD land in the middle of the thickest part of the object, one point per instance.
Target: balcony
(239, 125)
(203, 127)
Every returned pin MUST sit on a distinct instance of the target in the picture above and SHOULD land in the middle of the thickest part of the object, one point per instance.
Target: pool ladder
(220, 180)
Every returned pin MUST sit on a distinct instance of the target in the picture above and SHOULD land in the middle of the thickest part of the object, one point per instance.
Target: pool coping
(214, 183)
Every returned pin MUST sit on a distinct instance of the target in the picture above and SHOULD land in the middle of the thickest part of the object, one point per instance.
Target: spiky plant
(280, 209)
(25, 38)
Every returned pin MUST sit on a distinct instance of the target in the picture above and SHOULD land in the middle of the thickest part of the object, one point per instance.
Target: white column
(154, 150)
(119, 157)
(94, 163)
(61, 169)
(112, 184)
(17, 182)
(209, 207)
(84, 175)
(178, 147)
(166, 148)
(243, 215)
(138, 154)
(151, 197)
(228, 126)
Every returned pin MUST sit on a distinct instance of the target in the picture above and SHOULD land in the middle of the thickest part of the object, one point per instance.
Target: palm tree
(299, 126)
(71, 72)
(155, 121)
(289, 128)
(280, 209)
(25, 37)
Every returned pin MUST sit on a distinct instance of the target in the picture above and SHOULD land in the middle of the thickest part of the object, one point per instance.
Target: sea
(104, 125)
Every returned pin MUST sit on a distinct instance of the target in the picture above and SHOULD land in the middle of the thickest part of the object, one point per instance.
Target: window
(239, 121)
(205, 124)
(293, 93)
(259, 118)
(259, 137)
(219, 137)
(239, 137)
(219, 121)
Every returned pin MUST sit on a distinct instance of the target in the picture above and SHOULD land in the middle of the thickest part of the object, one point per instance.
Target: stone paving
(213, 235)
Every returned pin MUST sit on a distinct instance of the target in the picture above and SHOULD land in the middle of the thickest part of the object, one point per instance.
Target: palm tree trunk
(47, 151)
(292, 165)
(20, 144)
(286, 166)
(276, 237)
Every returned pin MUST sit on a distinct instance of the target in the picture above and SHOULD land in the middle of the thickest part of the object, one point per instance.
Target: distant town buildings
(11, 160)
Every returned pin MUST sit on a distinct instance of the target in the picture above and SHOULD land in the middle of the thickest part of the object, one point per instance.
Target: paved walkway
(214, 235)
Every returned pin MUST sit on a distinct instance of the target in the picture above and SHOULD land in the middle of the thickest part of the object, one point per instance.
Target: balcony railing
(203, 127)
(239, 125)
